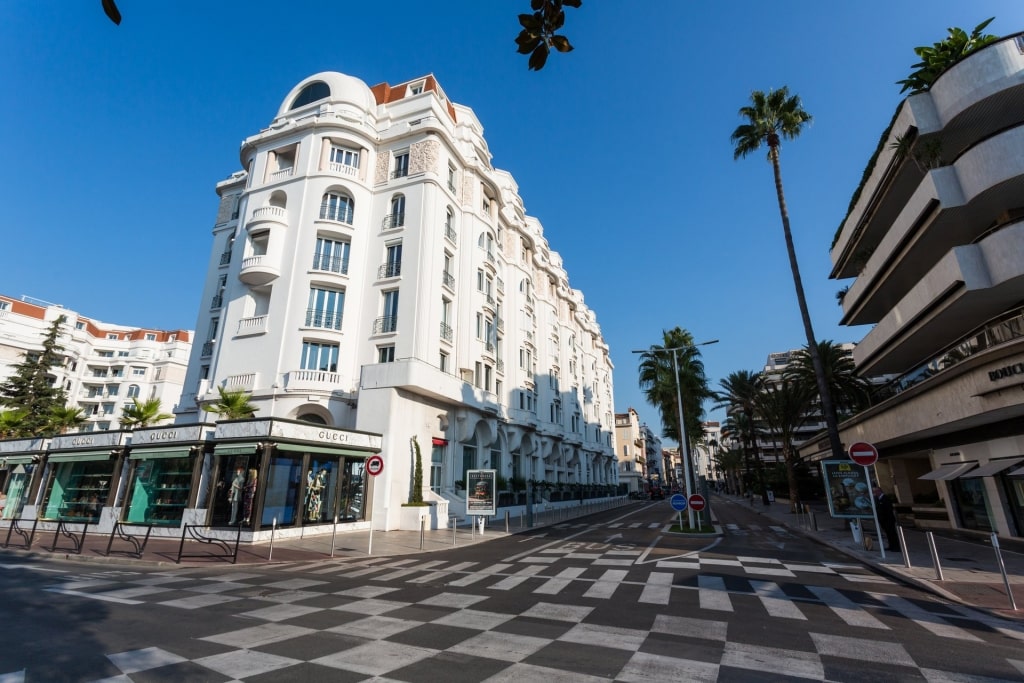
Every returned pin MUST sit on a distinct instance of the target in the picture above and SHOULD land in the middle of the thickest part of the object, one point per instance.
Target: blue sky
(116, 136)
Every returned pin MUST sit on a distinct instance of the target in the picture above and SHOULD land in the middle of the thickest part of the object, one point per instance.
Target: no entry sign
(863, 453)
(696, 502)
(374, 465)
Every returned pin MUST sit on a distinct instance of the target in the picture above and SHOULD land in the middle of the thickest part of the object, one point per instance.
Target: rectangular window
(451, 177)
(386, 354)
(150, 336)
(111, 336)
(393, 265)
(478, 375)
(319, 356)
(5, 305)
(344, 160)
(479, 325)
(389, 321)
(138, 372)
(401, 165)
(325, 308)
(331, 256)
(443, 362)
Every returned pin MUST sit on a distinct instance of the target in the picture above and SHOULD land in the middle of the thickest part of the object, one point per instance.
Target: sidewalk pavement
(970, 569)
(164, 551)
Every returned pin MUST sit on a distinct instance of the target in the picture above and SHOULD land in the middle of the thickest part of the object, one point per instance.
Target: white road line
(391, 576)
(606, 586)
(846, 609)
(94, 596)
(713, 594)
(1007, 628)
(658, 588)
(442, 574)
(673, 564)
(928, 620)
(470, 579)
(555, 585)
(775, 601)
(517, 578)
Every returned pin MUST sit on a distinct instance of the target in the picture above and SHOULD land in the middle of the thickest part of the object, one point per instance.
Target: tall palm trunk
(827, 407)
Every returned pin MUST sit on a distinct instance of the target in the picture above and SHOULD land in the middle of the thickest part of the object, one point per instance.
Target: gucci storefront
(81, 476)
(165, 469)
(19, 461)
(282, 474)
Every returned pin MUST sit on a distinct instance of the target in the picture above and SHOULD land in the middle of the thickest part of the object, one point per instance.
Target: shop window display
(78, 491)
(17, 490)
(235, 493)
(352, 507)
(159, 491)
(321, 487)
(281, 498)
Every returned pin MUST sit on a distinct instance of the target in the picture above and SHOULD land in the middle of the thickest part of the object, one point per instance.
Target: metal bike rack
(63, 529)
(189, 532)
(120, 534)
(27, 534)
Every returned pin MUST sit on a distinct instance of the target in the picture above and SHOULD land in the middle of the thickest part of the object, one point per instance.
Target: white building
(106, 365)
(934, 243)
(372, 272)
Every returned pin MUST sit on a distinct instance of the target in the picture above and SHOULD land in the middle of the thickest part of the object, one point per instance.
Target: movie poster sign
(848, 489)
(480, 492)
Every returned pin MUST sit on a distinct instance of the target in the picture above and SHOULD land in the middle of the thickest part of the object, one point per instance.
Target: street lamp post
(684, 446)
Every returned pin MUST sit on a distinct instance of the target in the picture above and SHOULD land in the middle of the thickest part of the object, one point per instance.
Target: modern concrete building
(105, 366)
(934, 242)
(372, 273)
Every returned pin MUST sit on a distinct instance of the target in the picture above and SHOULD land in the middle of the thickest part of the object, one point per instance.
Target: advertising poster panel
(480, 492)
(849, 491)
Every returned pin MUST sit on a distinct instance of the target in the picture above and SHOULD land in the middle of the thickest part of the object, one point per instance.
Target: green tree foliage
(232, 405)
(539, 34)
(939, 56)
(143, 414)
(783, 407)
(32, 388)
(64, 419)
(416, 495)
(12, 422)
(658, 382)
(738, 396)
(850, 393)
(770, 117)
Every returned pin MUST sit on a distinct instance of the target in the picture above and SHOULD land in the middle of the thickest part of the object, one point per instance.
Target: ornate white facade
(372, 271)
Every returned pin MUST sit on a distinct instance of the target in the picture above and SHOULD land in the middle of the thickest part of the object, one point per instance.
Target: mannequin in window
(235, 493)
(248, 494)
(314, 494)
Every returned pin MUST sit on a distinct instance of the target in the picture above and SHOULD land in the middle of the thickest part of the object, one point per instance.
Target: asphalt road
(613, 596)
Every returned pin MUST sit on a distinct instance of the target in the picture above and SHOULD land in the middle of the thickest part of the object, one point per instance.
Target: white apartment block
(373, 273)
(630, 455)
(106, 365)
(934, 243)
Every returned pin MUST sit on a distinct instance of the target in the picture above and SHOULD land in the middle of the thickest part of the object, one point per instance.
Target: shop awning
(437, 441)
(949, 471)
(17, 460)
(301, 448)
(236, 449)
(993, 467)
(82, 456)
(153, 453)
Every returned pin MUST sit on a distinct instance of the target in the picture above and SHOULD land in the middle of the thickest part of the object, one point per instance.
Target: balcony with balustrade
(258, 270)
(389, 270)
(393, 221)
(448, 280)
(266, 217)
(447, 333)
(325, 320)
(385, 324)
(253, 325)
(311, 380)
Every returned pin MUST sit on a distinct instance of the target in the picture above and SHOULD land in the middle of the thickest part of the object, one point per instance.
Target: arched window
(398, 211)
(317, 90)
(133, 391)
(337, 207)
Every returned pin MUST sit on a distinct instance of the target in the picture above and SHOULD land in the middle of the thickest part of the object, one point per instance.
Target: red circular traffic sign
(863, 453)
(374, 465)
(696, 502)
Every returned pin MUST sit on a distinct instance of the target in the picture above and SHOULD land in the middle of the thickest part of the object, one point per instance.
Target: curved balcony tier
(266, 217)
(952, 206)
(970, 101)
(258, 270)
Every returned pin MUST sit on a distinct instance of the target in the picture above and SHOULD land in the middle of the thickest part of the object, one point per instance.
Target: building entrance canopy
(994, 467)
(949, 471)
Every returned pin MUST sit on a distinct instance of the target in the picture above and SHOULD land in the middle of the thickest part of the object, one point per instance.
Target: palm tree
(658, 382)
(233, 405)
(12, 423)
(738, 395)
(730, 462)
(850, 393)
(64, 419)
(143, 414)
(783, 407)
(770, 117)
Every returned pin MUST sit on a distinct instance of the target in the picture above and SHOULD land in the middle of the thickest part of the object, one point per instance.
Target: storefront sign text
(1004, 372)
(333, 436)
(164, 436)
(82, 441)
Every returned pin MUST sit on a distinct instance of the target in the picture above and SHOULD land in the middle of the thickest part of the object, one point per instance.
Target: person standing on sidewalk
(887, 519)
